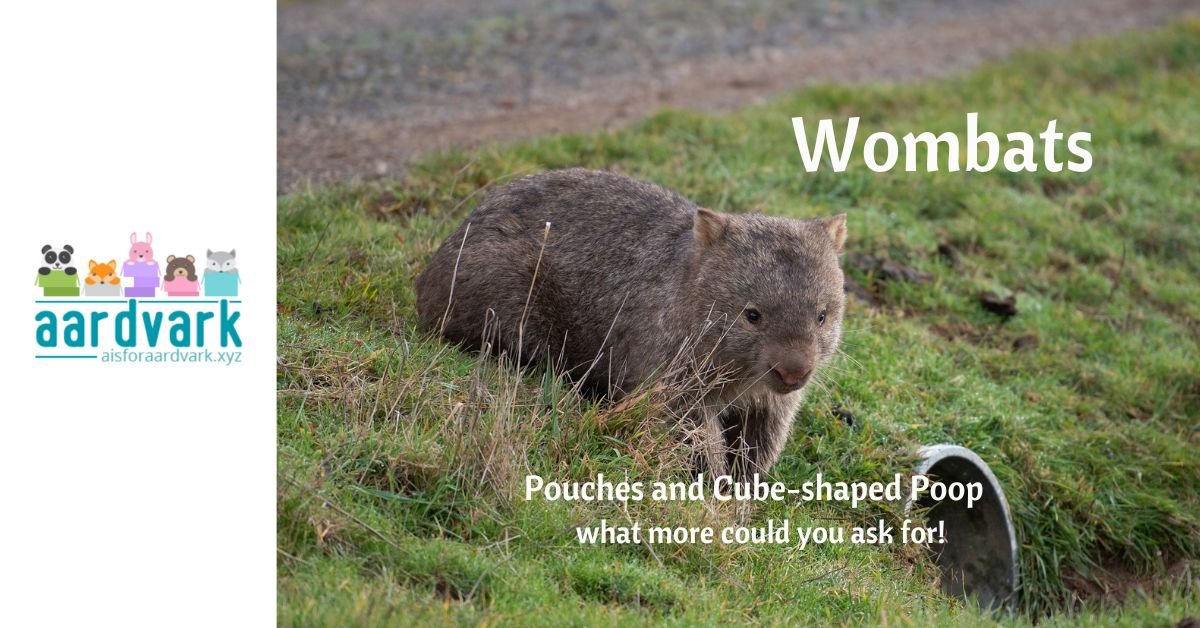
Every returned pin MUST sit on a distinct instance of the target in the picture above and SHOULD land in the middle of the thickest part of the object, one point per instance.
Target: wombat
(609, 280)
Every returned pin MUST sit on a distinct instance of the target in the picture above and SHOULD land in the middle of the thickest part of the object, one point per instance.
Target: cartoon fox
(102, 273)
(102, 279)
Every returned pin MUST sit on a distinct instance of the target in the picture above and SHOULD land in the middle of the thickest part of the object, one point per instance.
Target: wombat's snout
(794, 374)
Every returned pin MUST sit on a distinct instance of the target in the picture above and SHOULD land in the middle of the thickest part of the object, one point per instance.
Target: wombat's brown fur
(629, 277)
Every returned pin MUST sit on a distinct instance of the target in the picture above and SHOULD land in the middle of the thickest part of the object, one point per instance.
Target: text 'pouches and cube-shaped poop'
(182, 287)
(221, 284)
(145, 277)
(101, 290)
(57, 283)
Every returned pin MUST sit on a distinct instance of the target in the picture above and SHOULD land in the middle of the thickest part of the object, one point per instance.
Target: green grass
(401, 459)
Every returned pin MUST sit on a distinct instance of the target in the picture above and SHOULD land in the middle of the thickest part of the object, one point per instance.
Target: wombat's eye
(821, 319)
(752, 316)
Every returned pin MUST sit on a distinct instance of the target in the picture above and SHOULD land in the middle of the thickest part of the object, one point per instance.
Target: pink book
(182, 287)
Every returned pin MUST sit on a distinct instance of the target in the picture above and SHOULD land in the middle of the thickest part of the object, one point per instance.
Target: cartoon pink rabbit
(141, 267)
(141, 251)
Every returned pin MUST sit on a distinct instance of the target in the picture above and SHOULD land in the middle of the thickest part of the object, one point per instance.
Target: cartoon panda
(57, 259)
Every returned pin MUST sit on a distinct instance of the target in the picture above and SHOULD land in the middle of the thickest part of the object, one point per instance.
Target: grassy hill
(401, 459)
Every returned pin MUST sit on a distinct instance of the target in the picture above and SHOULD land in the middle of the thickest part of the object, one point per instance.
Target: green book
(59, 284)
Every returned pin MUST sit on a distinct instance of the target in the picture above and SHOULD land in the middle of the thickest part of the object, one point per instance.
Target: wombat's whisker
(819, 383)
(841, 353)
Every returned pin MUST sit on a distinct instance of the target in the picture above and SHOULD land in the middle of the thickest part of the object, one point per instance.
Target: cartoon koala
(181, 279)
(57, 259)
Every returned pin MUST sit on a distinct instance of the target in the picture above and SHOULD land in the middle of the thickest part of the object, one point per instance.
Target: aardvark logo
(137, 310)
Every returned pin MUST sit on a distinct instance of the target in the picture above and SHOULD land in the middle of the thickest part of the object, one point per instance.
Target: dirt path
(364, 86)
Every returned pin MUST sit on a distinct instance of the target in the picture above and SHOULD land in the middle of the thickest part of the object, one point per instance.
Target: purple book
(145, 281)
(132, 291)
(140, 269)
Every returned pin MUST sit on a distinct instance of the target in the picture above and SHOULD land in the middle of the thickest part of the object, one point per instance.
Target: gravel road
(366, 85)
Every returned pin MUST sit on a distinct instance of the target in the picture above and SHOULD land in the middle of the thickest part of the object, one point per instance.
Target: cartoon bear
(102, 279)
(181, 279)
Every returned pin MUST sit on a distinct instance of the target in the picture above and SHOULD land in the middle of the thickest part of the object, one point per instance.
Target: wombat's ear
(709, 226)
(835, 227)
(191, 259)
(170, 258)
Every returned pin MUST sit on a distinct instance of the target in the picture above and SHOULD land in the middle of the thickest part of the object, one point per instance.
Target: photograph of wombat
(531, 254)
(612, 280)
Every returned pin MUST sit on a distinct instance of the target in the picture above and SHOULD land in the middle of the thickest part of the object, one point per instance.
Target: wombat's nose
(793, 376)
